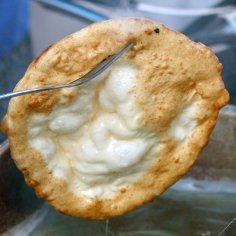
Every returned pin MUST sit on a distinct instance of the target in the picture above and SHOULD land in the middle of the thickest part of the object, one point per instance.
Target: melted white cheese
(96, 143)
(184, 123)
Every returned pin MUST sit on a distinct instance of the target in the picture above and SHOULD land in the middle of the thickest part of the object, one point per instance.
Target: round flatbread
(105, 148)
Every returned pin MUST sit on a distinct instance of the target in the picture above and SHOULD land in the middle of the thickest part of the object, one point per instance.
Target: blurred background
(27, 27)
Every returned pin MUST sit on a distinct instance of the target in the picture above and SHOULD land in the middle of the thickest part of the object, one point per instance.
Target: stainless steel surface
(99, 69)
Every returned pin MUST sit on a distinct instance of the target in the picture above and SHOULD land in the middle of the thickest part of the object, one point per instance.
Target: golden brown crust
(165, 59)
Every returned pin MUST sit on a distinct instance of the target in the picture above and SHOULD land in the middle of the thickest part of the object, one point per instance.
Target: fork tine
(102, 66)
(94, 70)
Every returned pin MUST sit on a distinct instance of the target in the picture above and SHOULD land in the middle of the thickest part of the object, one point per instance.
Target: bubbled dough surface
(173, 75)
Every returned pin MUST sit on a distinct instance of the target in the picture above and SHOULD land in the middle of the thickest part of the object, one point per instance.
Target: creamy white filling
(184, 123)
(96, 143)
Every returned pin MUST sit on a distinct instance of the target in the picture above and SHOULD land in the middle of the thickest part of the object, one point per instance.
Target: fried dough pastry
(105, 148)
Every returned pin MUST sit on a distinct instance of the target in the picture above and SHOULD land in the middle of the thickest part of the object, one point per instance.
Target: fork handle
(35, 90)
(102, 67)
(19, 93)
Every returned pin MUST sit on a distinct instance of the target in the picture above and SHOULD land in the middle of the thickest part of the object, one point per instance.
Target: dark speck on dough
(157, 30)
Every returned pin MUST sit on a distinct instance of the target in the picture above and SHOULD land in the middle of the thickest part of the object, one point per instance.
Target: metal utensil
(99, 69)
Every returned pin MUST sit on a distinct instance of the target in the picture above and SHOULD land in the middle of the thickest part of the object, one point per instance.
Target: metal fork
(99, 69)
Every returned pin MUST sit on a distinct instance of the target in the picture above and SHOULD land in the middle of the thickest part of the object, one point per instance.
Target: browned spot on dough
(131, 54)
(42, 101)
(176, 160)
(219, 67)
(148, 31)
(122, 190)
(95, 45)
(32, 183)
(131, 39)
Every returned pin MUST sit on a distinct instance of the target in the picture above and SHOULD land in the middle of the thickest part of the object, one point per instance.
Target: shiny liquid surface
(174, 213)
